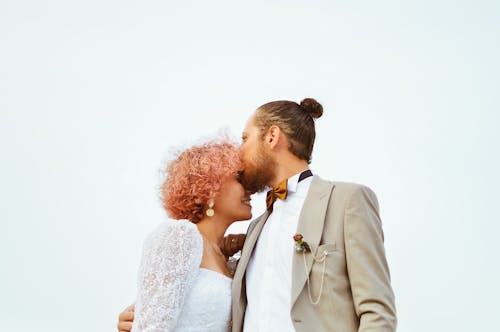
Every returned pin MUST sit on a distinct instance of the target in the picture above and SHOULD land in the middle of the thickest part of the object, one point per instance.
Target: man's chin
(255, 188)
(253, 184)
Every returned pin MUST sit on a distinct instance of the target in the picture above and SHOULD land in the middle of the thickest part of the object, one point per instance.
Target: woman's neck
(212, 229)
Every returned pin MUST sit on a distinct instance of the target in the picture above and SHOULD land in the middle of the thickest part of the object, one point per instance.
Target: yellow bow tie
(279, 192)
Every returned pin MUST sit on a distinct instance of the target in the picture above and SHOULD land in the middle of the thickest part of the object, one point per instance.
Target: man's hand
(231, 244)
(125, 319)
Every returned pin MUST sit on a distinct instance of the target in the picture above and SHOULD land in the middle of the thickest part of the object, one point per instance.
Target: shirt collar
(293, 182)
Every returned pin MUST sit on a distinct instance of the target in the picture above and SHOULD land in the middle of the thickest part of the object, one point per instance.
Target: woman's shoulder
(171, 226)
(174, 233)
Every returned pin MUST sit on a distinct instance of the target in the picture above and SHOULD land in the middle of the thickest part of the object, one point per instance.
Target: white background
(94, 93)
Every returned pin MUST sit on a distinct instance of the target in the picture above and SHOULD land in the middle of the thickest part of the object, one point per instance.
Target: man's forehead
(248, 125)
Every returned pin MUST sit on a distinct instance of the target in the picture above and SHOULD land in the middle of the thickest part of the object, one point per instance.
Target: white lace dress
(174, 293)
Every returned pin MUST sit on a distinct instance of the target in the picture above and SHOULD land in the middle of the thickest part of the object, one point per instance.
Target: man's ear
(273, 136)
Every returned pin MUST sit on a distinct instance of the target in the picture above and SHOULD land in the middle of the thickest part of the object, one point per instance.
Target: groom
(315, 260)
(337, 279)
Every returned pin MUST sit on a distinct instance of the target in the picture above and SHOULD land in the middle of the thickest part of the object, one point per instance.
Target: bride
(184, 283)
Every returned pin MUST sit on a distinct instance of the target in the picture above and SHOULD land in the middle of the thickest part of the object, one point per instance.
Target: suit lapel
(246, 252)
(250, 242)
(310, 225)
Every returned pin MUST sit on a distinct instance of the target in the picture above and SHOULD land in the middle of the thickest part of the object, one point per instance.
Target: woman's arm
(171, 256)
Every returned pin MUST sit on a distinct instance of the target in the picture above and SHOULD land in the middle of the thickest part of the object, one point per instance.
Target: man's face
(258, 164)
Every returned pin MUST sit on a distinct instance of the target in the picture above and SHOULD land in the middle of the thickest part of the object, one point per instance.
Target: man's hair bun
(312, 107)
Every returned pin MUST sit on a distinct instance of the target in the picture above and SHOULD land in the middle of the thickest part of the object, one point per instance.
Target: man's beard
(259, 172)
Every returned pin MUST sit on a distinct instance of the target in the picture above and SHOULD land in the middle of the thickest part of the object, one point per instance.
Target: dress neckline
(217, 273)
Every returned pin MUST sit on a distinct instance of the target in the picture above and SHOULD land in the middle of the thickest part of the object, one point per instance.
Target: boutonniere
(300, 244)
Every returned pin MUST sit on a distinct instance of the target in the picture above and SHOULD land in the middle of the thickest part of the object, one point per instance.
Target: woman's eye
(239, 176)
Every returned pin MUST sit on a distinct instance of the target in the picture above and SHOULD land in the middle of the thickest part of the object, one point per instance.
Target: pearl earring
(210, 211)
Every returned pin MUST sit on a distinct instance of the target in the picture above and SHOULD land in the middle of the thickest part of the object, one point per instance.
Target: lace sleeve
(171, 255)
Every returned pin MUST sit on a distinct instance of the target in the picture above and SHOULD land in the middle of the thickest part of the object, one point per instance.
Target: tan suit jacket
(341, 220)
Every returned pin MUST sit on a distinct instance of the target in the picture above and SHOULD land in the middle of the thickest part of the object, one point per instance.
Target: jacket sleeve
(366, 263)
(171, 256)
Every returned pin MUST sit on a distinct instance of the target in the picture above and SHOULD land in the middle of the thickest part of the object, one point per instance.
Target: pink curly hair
(196, 176)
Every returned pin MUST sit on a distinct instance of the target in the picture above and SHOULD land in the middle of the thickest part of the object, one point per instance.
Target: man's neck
(287, 168)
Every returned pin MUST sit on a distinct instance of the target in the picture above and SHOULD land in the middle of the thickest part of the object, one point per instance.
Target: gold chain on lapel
(322, 259)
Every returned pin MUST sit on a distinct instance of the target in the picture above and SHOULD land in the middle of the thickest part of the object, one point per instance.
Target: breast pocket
(325, 249)
(329, 268)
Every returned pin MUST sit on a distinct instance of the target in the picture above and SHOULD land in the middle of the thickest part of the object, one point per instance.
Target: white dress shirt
(269, 270)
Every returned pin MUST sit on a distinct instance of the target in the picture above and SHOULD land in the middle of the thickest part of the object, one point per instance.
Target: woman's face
(233, 202)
